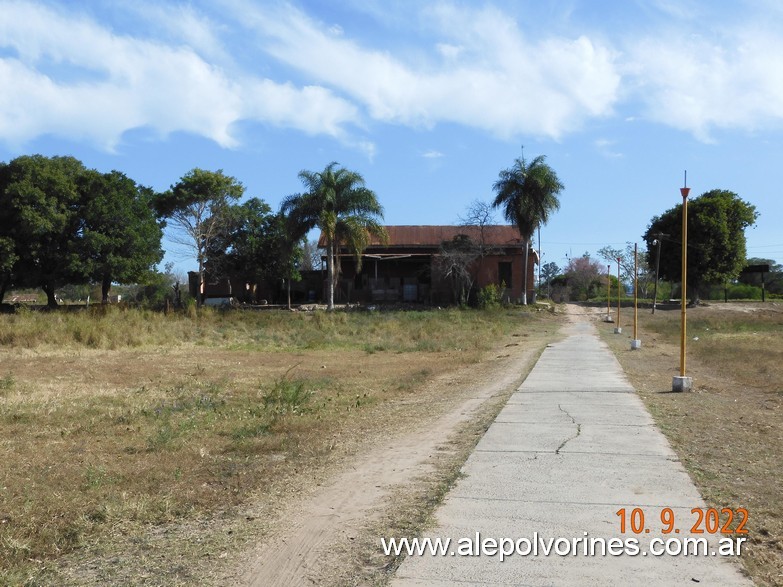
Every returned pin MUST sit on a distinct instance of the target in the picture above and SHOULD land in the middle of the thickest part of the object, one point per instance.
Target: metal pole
(657, 270)
(683, 321)
(617, 328)
(635, 291)
(539, 258)
(608, 291)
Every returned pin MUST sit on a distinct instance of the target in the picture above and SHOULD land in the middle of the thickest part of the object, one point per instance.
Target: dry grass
(116, 423)
(729, 430)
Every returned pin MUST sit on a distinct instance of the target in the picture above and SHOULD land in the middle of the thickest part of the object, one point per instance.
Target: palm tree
(347, 212)
(528, 195)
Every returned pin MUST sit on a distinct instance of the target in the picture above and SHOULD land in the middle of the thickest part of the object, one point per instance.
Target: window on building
(504, 273)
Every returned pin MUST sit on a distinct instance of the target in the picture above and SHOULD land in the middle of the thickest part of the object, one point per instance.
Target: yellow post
(617, 328)
(684, 191)
(635, 290)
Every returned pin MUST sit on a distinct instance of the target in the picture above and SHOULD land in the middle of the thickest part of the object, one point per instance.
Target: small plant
(7, 383)
(95, 476)
(490, 297)
(253, 430)
(161, 438)
(288, 395)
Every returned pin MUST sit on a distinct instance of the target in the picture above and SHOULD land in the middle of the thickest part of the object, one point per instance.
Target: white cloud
(311, 109)
(433, 154)
(195, 68)
(606, 148)
(106, 84)
(503, 83)
(181, 24)
(680, 9)
(732, 80)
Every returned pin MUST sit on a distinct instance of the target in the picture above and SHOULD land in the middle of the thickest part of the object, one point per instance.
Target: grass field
(115, 423)
(729, 430)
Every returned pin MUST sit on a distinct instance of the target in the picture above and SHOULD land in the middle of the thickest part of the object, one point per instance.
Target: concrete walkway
(573, 445)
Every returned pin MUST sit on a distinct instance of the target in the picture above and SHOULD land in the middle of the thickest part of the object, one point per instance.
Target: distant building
(407, 268)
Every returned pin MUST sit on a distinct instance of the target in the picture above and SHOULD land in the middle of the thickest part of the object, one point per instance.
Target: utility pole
(683, 383)
(539, 258)
(617, 328)
(657, 241)
(636, 343)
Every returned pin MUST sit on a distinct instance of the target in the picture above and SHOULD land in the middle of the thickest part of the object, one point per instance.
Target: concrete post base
(618, 330)
(608, 319)
(682, 383)
(636, 344)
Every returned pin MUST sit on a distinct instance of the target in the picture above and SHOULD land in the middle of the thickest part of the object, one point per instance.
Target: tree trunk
(524, 282)
(51, 300)
(288, 287)
(330, 275)
(200, 259)
(105, 287)
(4, 281)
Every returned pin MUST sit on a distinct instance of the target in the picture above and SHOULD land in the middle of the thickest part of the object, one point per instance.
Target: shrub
(287, 396)
(735, 291)
(490, 297)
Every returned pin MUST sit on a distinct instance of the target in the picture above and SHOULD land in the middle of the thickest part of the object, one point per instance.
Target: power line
(587, 244)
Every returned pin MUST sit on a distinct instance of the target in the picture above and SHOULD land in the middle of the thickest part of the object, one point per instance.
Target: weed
(288, 396)
(414, 379)
(96, 476)
(253, 430)
(7, 383)
(161, 438)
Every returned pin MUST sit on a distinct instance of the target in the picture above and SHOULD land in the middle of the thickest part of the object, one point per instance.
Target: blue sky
(427, 100)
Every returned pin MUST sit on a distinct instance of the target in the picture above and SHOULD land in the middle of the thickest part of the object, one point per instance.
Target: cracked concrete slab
(573, 446)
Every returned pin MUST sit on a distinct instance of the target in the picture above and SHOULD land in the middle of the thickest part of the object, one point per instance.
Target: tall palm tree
(527, 192)
(347, 212)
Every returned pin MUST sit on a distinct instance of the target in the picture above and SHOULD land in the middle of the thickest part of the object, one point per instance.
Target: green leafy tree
(196, 208)
(716, 239)
(121, 235)
(42, 227)
(70, 225)
(8, 260)
(347, 212)
(256, 245)
(548, 272)
(527, 193)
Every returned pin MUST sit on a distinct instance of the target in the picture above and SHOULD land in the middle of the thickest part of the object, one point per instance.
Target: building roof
(429, 236)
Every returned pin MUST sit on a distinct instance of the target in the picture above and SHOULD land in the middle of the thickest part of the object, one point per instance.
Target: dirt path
(317, 537)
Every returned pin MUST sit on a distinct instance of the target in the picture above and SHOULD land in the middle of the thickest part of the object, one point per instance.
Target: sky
(428, 101)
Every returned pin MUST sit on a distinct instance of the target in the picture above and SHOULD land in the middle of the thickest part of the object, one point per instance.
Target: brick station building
(406, 267)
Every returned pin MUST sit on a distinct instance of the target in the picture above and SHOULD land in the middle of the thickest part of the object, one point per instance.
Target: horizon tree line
(63, 223)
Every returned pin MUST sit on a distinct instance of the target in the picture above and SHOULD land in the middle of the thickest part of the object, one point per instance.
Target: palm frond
(527, 194)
